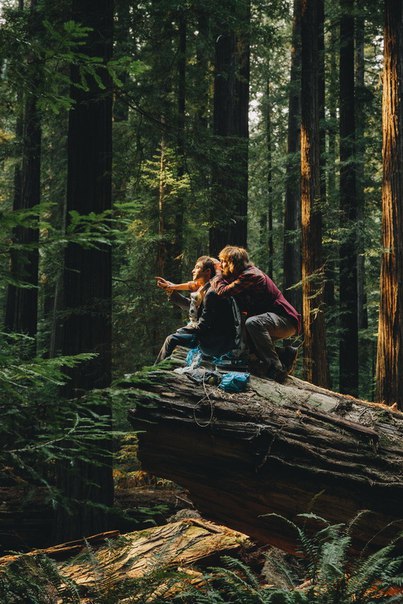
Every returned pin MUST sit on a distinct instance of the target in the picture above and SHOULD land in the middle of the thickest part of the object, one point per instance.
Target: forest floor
(141, 501)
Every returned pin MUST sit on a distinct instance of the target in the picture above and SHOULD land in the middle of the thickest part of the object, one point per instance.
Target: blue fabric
(234, 381)
(193, 357)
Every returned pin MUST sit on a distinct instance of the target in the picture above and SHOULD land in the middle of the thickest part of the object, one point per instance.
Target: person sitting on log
(269, 316)
(211, 322)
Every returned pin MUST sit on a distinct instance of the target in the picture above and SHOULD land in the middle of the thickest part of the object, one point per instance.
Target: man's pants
(263, 330)
(180, 338)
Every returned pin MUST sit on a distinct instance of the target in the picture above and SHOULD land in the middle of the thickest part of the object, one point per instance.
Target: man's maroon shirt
(255, 294)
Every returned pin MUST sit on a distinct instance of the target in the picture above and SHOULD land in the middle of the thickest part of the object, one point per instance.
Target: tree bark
(277, 448)
(348, 364)
(87, 272)
(315, 361)
(389, 374)
(231, 133)
(360, 122)
(292, 214)
(269, 211)
(332, 106)
(178, 546)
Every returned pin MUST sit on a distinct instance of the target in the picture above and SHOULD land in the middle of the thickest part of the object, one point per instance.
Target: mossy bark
(284, 449)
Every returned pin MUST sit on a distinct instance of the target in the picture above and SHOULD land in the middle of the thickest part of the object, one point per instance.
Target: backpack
(239, 323)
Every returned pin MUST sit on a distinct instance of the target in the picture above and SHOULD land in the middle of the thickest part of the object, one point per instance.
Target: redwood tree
(389, 373)
(292, 214)
(87, 271)
(348, 207)
(315, 362)
(230, 128)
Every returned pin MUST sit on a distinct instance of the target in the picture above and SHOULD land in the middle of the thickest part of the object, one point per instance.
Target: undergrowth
(332, 576)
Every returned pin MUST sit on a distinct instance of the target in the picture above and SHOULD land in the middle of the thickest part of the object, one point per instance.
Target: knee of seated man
(169, 339)
(252, 323)
(264, 322)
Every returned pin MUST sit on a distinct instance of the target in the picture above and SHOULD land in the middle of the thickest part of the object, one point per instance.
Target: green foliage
(36, 580)
(37, 423)
(53, 47)
(40, 580)
(37, 53)
(332, 576)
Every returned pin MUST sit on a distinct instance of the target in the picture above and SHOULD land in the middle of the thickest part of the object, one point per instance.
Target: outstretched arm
(168, 286)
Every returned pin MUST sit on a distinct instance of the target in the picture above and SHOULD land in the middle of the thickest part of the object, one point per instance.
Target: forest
(136, 137)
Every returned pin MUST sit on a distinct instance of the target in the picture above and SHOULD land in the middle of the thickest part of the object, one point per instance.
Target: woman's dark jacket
(216, 327)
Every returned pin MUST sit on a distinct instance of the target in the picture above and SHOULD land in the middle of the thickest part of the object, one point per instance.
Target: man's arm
(226, 289)
(168, 286)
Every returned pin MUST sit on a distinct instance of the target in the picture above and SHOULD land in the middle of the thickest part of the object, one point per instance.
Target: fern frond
(237, 565)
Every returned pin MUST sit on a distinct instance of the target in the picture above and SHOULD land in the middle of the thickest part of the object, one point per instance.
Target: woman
(211, 322)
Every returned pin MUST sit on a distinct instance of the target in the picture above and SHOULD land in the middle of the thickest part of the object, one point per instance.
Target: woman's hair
(238, 256)
(208, 263)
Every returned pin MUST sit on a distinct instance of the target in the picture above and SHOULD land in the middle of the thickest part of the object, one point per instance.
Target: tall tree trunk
(348, 363)
(389, 372)
(22, 302)
(362, 314)
(315, 362)
(87, 272)
(292, 214)
(332, 105)
(269, 211)
(231, 132)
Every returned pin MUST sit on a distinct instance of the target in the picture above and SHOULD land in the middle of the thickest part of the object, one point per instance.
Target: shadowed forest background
(137, 136)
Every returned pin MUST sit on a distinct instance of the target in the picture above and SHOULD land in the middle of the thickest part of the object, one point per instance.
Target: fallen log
(283, 449)
(94, 567)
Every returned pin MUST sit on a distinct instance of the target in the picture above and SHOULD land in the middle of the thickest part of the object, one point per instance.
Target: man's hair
(208, 263)
(238, 256)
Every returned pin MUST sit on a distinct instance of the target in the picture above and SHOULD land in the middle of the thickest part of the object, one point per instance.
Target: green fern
(36, 580)
(334, 577)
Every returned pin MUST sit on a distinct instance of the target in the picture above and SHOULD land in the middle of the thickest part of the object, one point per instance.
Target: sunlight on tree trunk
(315, 363)
(389, 372)
(292, 213)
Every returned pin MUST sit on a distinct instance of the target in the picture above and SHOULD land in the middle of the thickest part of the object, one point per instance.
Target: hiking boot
(257, 367)
(278, 374)
(288, 357)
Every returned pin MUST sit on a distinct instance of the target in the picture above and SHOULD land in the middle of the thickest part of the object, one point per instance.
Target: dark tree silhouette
(87, 271)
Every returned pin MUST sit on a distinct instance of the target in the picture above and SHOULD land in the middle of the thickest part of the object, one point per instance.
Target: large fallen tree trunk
(99, 565)
(277, 448)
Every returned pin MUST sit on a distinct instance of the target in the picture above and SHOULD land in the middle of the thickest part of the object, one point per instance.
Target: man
(269, 315)
(211, 321)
